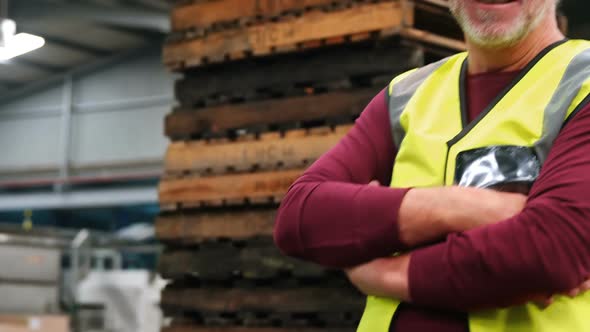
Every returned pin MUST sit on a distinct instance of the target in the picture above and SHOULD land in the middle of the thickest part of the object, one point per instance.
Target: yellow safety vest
(429, 127)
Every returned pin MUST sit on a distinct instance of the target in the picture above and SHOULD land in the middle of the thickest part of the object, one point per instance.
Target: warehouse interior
(82, 135)
(109, 174)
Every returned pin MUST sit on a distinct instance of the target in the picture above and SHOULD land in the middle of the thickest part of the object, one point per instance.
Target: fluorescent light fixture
(7, 31)
(20, 44)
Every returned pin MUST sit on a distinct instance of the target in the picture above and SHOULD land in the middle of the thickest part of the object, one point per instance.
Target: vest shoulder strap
(402, 88)
(571, 95)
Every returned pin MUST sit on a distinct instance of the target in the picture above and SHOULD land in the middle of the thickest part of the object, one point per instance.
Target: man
(513, 110)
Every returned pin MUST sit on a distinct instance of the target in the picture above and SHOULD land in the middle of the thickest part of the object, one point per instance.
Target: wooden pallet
(247, 128)
(224, 190)
(220, 120)
(347, 320)
(193, 328)
(434, 16)
(200, 18)
(201, 225)
(301, 300)
(311, 30)
(356, 64)
(202, 15)
(272, 150)
(220, 261)
(264, 320)
(213, 172)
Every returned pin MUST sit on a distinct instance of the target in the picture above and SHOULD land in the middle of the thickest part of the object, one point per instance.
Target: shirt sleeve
(542, 250)
(329, 215)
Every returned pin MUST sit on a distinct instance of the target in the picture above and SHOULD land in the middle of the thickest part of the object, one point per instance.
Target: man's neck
(484, 60)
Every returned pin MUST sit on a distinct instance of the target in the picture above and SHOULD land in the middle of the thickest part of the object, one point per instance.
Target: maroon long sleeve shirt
(331, 217)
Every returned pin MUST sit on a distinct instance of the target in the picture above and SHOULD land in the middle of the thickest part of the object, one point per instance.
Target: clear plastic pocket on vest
(503, 168)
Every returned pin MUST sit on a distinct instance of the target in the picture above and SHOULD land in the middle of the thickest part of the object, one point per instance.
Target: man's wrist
(429, 214)
(396, 276)
(424, 216)
(384, 277)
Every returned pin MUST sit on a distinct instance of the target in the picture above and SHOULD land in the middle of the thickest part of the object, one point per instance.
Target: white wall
(117, 122)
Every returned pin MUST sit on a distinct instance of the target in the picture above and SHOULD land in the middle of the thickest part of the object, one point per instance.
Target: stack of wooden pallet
(267, 87)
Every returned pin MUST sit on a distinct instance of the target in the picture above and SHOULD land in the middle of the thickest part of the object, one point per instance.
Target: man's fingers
(374, 183)
(584, 287)
(542, 301)
(574, 292)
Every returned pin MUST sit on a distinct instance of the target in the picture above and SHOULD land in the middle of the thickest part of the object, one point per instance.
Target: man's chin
(496, 38)
(494, 42)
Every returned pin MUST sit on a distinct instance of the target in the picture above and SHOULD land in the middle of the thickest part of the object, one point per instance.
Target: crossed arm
(426, 215)
(493, 254)
(388, 277)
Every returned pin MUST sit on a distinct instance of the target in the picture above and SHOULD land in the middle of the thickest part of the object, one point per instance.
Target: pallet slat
(205, 14)
(266, 38)
(194, 227)
(271, 150)
(332, 64)
(433, 39)
(280, 111)
(188, 328)
(301, 300)
(253, 186)
(261, 260)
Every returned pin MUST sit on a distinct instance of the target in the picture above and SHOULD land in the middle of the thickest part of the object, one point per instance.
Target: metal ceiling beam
(134, 32)
(154, 4)
(135, 17)
(9, 85)
(49, 68)
(20, 89)
(79, 199)
(95, 51)
(36, 28)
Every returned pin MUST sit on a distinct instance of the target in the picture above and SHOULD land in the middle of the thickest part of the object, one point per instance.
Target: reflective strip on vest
(401, 91)
(559, 108)
(427, 117)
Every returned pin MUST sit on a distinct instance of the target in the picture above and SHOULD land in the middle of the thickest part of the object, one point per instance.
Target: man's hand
(385, 277)
(544, 301)
(388, 277)
(428, 214)
(583, 288)
(461, 208)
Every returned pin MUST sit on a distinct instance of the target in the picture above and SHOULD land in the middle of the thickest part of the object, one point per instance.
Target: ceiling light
(20, 44)
(12, 45)
(7, 31)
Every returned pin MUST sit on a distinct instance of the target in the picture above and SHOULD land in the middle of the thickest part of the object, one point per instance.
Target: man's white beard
(485, 36)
